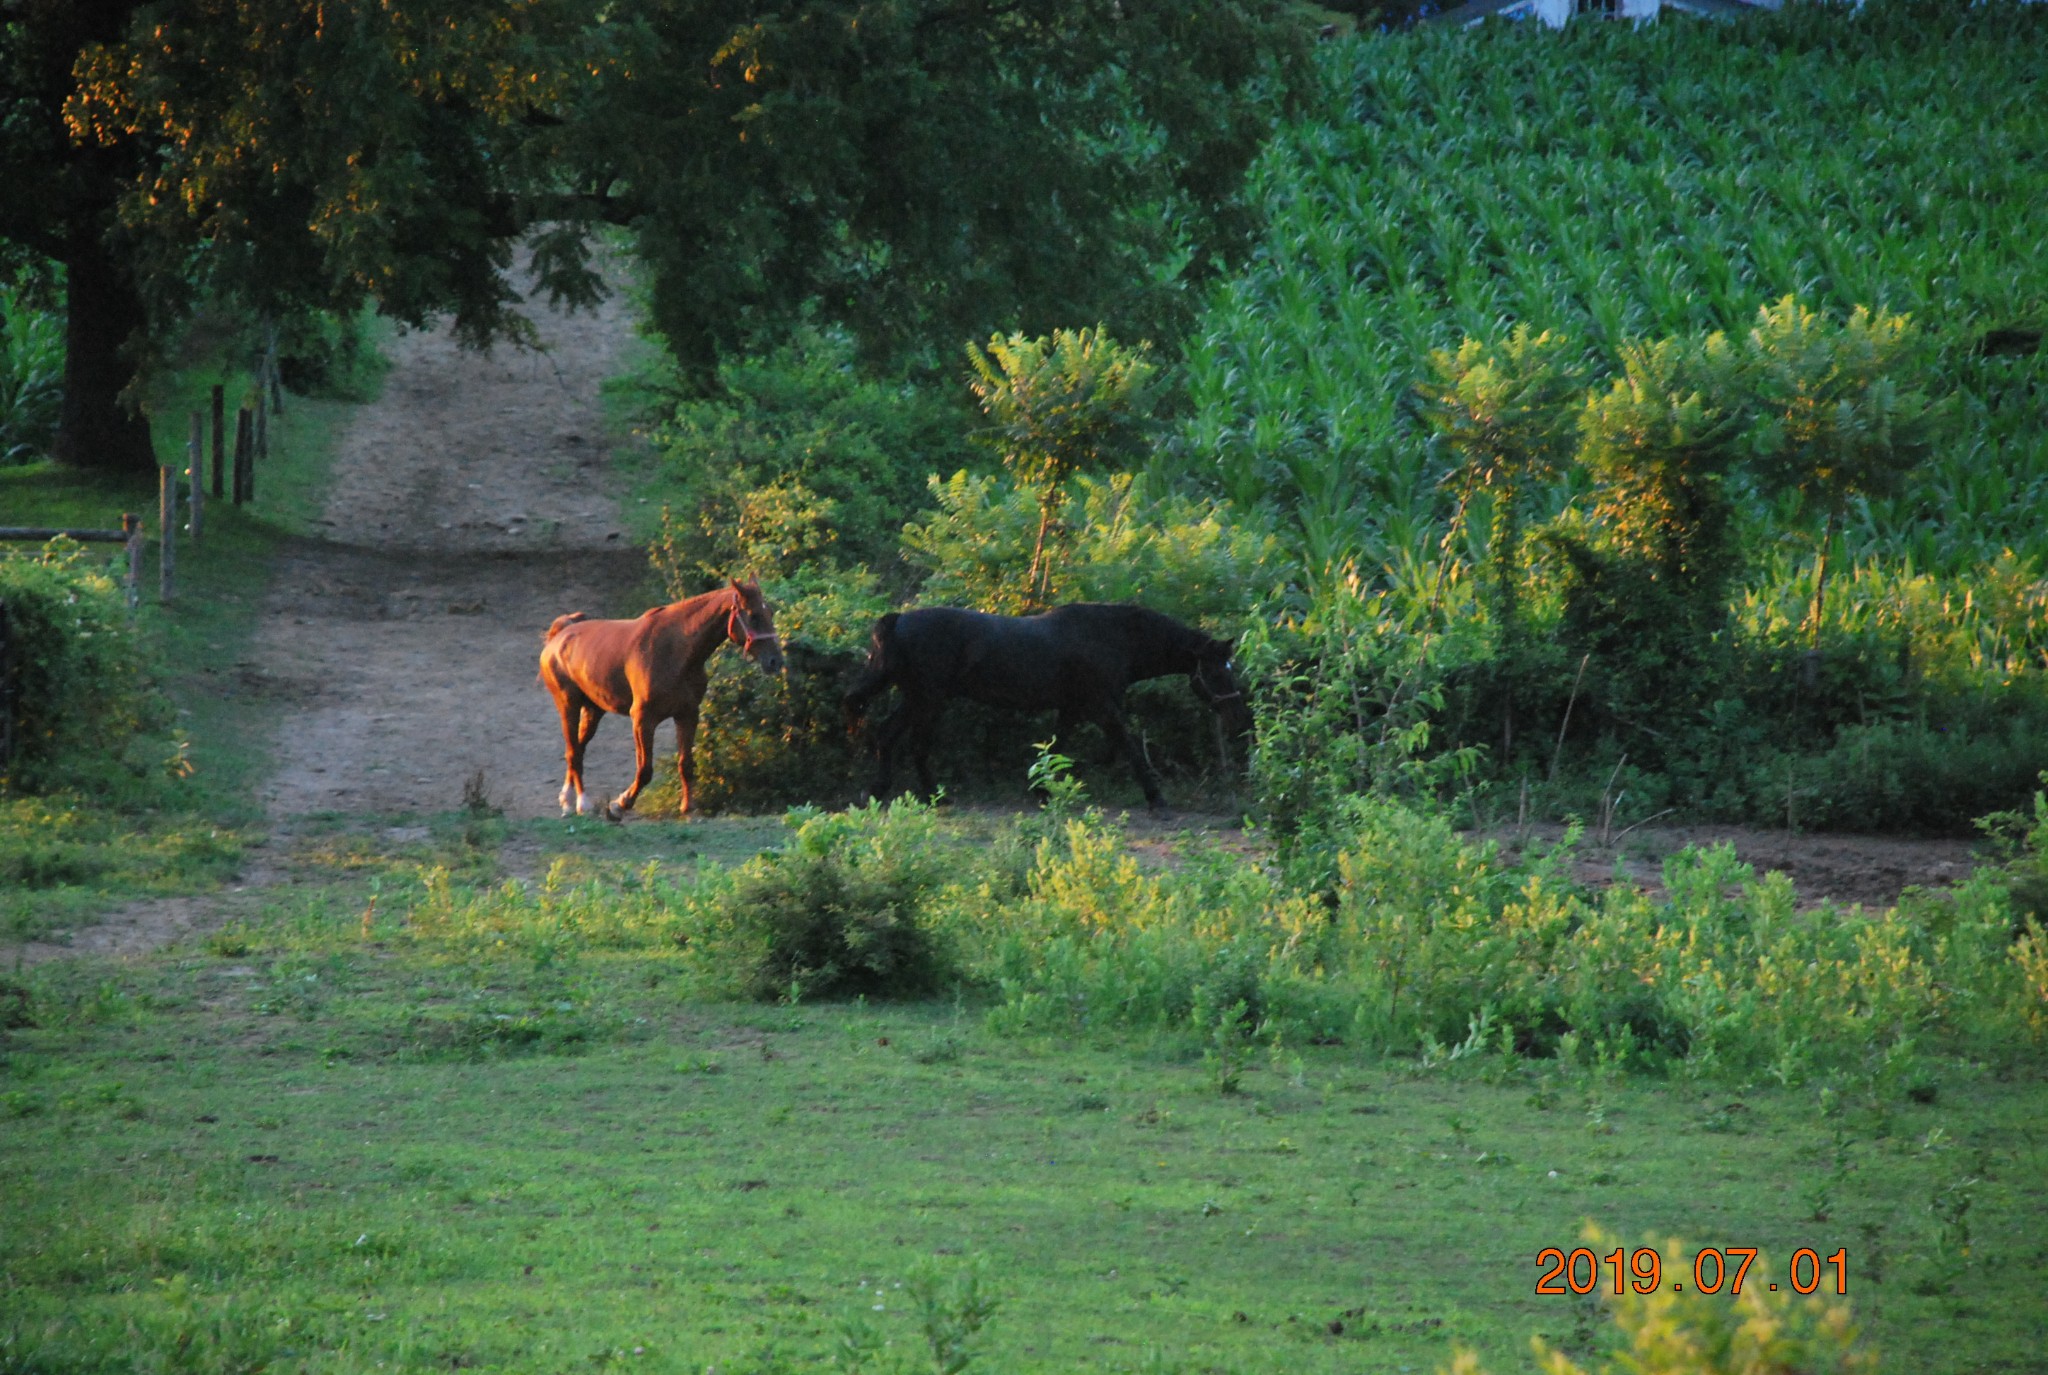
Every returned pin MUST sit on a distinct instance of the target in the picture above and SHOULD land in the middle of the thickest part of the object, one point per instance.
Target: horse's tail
(556, 627)
(875, 675)
(560, 623)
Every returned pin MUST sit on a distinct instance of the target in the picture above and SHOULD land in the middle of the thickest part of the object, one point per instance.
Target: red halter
(746, 638)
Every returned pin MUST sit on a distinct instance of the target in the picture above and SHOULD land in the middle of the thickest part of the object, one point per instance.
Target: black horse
(1077, 659)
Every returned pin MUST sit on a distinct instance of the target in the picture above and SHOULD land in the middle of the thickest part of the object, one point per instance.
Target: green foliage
(1840, 412)
(1649, 600)
(1838, 415)
(1347, 689)
(83, 689)
(1058, 406)
(1127, 541)
(841, 912)
(392, 166)
(1078, 162)
(31, 377)
(1418, 943)
(1679, 1331)
(329, 355)
(1504, 409)
(797, 462)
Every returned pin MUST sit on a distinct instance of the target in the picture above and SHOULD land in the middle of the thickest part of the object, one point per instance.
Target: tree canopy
(920, 170)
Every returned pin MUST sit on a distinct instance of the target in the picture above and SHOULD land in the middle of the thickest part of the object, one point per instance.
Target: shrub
(1058, 405)
(1672, 1332)
(1128, 542)
(767, 741)
(798, 460)
(843, 911)
(1421, 941)
(328, 356)
(31, 377)
(81, 684)
(1347, 685)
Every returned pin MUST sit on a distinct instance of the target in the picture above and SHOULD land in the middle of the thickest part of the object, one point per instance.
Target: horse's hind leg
(686, 755)
(925, 726)
(579, 723)
(643, 756)
(908, 714)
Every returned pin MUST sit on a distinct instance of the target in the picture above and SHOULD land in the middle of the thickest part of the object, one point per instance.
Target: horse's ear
(734, 583)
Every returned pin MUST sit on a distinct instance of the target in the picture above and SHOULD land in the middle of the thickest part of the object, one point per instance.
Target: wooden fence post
(6, 688)
(220, 438)
(195, 454)
(167, 523)
(131, 526)
(241, 455)
(270, 381)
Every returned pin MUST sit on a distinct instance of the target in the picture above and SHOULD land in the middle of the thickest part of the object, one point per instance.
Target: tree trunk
(100, 427)
(1820, 577)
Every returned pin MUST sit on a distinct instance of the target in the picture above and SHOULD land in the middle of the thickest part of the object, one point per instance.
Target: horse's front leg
(887, 736)
(643, 757)
(686, 755)
(1112, 722)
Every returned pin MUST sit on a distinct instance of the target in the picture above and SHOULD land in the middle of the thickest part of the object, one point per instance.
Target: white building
(1557, 13)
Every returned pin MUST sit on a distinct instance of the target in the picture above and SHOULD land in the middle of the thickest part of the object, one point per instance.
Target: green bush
(799, 461)
(843, 911)
(771, 742)
(1189, 558)
(82, 690)
(1672, 1331)
(1423, 944)
(328, 356)
(31, 377)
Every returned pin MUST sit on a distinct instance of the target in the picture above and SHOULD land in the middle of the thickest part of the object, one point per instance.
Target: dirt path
(469, 508)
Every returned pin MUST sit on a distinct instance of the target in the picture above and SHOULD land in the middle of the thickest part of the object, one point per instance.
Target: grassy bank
(173, 821)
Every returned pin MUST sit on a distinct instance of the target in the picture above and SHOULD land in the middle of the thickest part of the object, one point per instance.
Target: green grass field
(316, 1144)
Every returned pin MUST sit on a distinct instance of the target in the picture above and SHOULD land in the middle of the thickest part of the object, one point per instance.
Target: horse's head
(751, 626)
(1215, 682)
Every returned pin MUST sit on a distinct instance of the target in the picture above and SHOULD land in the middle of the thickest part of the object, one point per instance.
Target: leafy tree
(927, 170)
(917, 170)
(1061, 405)
(282, 154)
(1505, 408)
(1834, 419)
(1660, 444)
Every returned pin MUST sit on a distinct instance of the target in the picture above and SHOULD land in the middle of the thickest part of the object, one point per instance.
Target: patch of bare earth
(1844, 869)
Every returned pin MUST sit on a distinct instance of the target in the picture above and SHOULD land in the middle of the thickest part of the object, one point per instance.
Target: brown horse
(650, 669)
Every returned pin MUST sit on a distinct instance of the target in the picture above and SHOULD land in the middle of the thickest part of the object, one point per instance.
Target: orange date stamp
(1714, 1270)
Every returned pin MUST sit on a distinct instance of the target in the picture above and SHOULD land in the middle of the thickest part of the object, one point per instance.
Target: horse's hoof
(611, 812)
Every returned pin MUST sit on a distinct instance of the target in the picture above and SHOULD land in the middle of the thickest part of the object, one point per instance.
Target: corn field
(1614, 183)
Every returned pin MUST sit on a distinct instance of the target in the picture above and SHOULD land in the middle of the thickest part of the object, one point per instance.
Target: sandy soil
(1872, 870)
(470, 507)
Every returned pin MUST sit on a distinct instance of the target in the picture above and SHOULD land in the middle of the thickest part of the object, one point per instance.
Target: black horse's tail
(875, 675)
